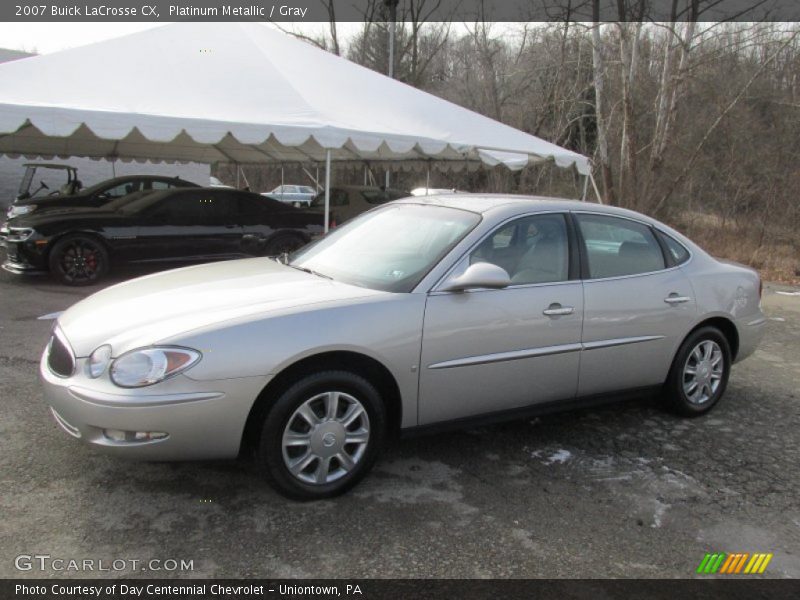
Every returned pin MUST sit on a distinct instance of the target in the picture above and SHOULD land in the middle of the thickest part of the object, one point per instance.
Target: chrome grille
(60, 358)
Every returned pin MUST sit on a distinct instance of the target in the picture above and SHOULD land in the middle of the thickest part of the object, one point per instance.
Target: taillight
(760, 287)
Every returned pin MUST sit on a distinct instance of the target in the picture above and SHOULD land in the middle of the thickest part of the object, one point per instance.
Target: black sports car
(79, 245)
(98, 194)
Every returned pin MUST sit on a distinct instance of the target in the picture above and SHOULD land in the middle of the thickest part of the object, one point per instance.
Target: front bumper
(20, 258)
(201, 419)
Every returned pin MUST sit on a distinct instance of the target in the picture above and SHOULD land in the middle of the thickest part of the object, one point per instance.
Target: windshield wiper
(309, 271)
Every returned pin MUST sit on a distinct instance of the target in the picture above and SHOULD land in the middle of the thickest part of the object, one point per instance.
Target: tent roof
(239, 92)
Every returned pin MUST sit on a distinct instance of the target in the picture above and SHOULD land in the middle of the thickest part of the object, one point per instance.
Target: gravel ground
(626, 490)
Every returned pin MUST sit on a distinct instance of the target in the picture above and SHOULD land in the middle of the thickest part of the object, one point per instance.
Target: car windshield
(389, 249)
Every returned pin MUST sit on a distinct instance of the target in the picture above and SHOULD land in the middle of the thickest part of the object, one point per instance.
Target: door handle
(556, 310)
(676, 299)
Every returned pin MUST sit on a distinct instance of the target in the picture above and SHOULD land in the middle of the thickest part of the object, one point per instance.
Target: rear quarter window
(677, 252)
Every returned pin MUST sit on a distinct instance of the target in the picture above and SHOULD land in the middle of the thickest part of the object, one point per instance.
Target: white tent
(242, 93)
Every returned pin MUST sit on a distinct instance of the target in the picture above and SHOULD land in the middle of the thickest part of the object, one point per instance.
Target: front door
(486, 351)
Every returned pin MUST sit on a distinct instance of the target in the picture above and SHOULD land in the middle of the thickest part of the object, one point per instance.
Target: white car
(296, 195)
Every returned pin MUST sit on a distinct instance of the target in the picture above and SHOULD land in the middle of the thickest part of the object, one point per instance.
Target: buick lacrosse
(423, 312)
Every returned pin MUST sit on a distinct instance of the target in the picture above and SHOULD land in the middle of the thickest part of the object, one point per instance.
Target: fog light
(118, 435)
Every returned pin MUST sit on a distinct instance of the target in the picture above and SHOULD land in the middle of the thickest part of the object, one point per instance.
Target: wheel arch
(726, 326)
(92, 234)
(355, 362)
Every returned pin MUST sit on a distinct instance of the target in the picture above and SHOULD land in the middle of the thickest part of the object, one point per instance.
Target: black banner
(406, 10)
(733, 588)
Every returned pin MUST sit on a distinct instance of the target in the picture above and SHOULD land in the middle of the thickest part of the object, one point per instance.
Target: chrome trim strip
(506, 356)
(544, 351)
(621, 342)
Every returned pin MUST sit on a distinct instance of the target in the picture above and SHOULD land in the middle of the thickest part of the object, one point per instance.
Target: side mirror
(479, 275)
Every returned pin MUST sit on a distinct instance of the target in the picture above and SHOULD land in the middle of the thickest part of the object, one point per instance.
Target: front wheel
(79, 260)
(322, 435)
(699, 373)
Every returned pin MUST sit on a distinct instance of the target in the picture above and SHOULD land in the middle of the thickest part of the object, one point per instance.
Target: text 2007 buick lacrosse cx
(418, 313)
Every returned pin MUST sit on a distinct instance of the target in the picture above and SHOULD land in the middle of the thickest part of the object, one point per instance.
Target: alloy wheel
(80, 261)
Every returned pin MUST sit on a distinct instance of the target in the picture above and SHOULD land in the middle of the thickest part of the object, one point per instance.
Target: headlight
(23, 209)
(98, 361)
(147, 366)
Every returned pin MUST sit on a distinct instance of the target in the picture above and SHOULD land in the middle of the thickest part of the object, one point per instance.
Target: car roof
(513, 204)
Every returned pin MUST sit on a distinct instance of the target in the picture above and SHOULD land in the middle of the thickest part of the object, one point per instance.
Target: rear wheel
(699, 373)
(284, 243)
(322, 435)
(79, 260)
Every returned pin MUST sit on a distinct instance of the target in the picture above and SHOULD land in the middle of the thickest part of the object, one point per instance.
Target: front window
(389, 249)
(531, 249)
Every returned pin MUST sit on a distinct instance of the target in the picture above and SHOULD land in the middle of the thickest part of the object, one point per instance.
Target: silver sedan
(419, 314)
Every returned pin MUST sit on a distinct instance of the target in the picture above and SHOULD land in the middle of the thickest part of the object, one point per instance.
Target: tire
(324, 464)
(79, 260)
(699, 374)
(284, 243)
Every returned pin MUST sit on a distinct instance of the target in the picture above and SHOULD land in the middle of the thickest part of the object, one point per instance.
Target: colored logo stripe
(735, 563)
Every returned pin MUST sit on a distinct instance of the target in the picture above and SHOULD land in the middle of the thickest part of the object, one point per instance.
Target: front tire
(79, 260)
(699, 374)
(322, 435)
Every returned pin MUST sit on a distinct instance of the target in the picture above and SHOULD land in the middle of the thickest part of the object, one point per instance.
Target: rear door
(636, 309)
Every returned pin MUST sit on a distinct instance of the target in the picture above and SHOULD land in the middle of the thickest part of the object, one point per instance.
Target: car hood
(144, 311)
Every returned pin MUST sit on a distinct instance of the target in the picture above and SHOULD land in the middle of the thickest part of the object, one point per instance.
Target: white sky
(43, 38)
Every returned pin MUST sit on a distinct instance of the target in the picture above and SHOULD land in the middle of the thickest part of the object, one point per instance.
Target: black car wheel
(79, 260)
(699, 373)
(322, 435)
(284, 243)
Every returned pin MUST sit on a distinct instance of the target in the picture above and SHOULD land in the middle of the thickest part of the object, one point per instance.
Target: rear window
(617, 247)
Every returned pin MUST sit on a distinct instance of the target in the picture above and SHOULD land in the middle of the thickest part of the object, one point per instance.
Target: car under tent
(247, 94)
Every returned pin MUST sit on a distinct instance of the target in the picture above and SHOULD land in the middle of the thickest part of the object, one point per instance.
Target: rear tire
(322, 435)
(699, 374)
(79, 260)
(284, 243)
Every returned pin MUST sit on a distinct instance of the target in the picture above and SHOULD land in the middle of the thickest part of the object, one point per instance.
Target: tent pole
(327, 188)
(428, 180)
(596, 190)
(585, 187)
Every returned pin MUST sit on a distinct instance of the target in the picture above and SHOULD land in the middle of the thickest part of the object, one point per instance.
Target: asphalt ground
(626, 490)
